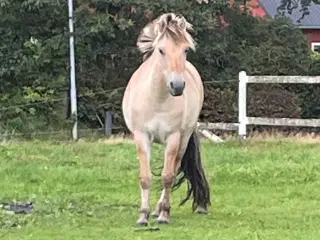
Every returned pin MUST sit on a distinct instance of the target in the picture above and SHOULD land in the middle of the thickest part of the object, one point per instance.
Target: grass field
(264, 190)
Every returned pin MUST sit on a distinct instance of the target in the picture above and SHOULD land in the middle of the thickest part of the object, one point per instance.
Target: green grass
(264, 190)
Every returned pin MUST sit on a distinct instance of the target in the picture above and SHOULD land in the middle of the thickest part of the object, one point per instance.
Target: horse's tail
(192, 170)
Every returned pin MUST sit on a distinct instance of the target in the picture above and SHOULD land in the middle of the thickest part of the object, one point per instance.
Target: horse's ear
(161, 25)
(183, 24)
(189, 26)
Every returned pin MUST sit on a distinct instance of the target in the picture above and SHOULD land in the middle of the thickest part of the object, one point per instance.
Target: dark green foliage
(34, 60)
(34, 65)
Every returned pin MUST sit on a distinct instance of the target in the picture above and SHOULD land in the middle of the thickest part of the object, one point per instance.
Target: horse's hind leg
(168, 175)
(143, 144)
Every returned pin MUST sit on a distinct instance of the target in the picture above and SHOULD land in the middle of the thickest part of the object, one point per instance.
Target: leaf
(32, 111)
(18, 110)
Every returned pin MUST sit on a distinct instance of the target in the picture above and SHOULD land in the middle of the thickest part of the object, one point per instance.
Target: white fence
(244, 120)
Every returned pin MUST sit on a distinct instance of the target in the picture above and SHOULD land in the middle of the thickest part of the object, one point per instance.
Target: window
(315, 46)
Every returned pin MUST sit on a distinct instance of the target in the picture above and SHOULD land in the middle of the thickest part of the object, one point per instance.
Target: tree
(288, 6)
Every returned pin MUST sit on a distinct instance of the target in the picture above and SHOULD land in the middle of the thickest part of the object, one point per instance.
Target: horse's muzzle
(176, 85)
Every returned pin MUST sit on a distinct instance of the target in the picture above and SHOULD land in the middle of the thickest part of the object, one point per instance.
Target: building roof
(306, 16)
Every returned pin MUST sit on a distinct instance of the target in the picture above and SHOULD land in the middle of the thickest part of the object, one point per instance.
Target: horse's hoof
(142, 224)
(202, 213)
(155, 215)
(201, 210)
(163, 222)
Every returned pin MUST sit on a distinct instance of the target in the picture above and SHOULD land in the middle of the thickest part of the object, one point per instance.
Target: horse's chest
(160, 128)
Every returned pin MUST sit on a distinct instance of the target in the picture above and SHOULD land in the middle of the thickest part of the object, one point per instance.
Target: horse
(161, 104)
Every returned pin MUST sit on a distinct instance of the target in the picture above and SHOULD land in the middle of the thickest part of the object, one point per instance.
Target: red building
(304, 16)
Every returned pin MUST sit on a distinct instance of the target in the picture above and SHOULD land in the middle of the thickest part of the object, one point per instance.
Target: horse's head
(168, 41)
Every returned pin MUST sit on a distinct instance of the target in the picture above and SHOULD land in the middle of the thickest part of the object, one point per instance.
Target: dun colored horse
(161, 104)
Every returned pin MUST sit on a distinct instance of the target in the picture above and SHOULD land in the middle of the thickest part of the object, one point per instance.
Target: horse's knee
(167, 179)
(145, 182)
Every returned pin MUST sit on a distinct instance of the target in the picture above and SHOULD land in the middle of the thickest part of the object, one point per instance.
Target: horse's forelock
(168, 24)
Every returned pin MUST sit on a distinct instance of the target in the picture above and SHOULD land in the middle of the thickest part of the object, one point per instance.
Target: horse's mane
(168, 24)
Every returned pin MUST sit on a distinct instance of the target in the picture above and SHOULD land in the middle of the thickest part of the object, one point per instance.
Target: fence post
(108, 124)
(242, 101)
(73, 92)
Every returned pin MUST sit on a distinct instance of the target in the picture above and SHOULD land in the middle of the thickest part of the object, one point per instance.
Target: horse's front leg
(167, 177)
(143, 144)
(156, 212)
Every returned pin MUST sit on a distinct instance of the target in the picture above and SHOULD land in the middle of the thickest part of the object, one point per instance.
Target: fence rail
(292, 122)
(284, 79)
(218, 126)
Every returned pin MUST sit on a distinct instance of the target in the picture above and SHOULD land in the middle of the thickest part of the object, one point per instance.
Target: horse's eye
(161, 51)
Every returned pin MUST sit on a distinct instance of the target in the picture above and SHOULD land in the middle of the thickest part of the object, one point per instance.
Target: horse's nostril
(184, 84)
(171, 84)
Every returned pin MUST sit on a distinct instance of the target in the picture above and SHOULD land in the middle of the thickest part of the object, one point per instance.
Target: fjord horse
(161, 104)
